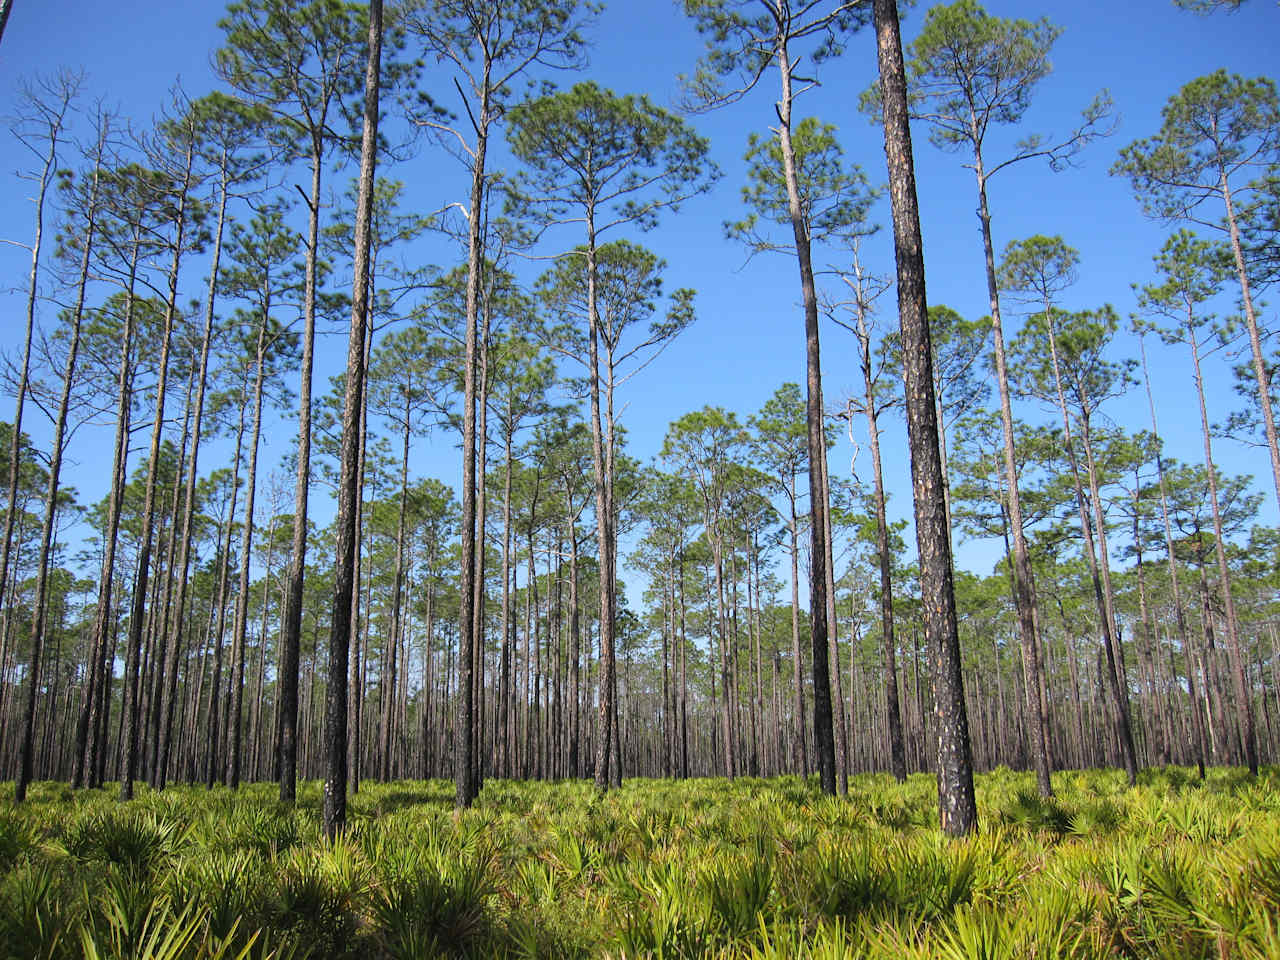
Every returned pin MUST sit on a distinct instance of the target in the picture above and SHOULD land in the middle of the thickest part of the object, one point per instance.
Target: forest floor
(700, 868)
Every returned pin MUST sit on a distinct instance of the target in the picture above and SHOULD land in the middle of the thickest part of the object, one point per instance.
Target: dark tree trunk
(335, 786)
(958, 808)
(466, 783)
(96, 702)
(291, 630)
(131, 691)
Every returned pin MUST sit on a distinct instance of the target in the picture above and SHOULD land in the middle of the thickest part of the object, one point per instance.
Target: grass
(755, 869)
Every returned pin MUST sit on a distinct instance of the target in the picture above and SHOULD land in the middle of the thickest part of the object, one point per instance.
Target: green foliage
(1217, 130)
(1205, 7)
(617, 159)
(835, 197)
(1173, 868)
(740, 45)
(968, 70)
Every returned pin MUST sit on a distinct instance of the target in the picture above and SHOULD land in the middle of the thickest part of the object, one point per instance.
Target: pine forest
(436, 523)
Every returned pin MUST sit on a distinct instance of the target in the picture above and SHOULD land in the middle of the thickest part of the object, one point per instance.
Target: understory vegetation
(750, 868)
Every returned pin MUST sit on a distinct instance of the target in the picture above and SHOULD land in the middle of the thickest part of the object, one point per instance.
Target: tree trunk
(466, 785)
(291, 638)
(39, 622)
(168, 639)
(833, 635)
(47, 173)
(131, 701)
(897, 753)
(958, 808)
(1260, 373)
(240, 624)
(823, 739)
(1244, 704)
(94, 748)
(82, 723)
(604, 513)
(345, 586)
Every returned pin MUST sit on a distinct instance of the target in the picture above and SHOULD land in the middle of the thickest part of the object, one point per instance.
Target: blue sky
(748, 338)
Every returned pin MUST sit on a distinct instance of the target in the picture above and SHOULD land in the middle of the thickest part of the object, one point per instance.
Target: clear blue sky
(748, 338)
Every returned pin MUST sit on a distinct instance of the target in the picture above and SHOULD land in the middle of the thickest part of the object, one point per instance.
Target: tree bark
(1244, 705)
(335, 786)
(240, 623)
(957, 806)
(130, 735)
(188, 516)
(897, 753)
(47, 172)
(823, 738)
(40, 611)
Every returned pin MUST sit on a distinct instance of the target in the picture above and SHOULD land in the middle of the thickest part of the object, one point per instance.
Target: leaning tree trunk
(823, 735)
(1180, 615)
(1023, 579)
(40, 613)
(1119, 684)
(82, 722)
(1244, 705)
(958, 808)
(33, 292)
(1260, 372)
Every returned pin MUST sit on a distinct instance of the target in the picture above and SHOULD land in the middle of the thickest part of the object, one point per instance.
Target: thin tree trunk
(96, 704)
(897, 753)
(799, 742)
(604, 513)
(1101, 583)
(240, 624)
(833, 634)
(82, 723)
(1260, 373)
(397, 626)
(131, 692)
(1244, 703)
(291, 638)
(188, 516)
(47, 172)
(167, 638)
(823, 739)
(40, 611)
